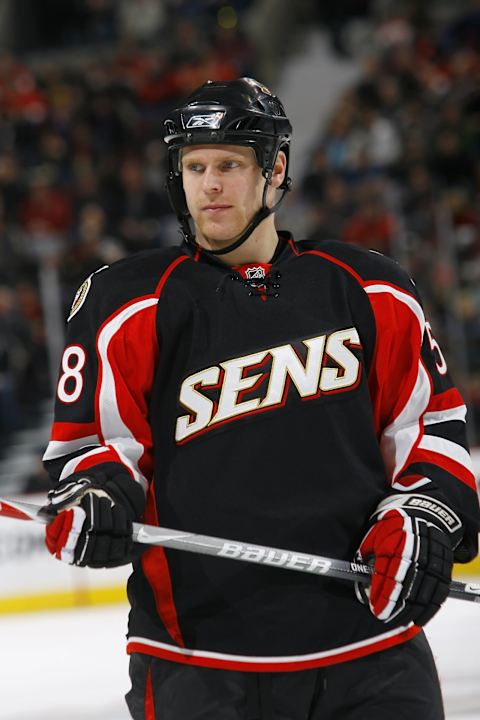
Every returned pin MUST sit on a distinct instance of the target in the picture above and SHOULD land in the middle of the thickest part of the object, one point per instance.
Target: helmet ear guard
(238, 112)
(176, 194)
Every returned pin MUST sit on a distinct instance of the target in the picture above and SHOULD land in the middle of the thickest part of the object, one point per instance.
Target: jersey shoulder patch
(112, 286)
(82, 292)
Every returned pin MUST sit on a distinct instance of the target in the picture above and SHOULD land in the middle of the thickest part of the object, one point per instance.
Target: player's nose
(211, 180)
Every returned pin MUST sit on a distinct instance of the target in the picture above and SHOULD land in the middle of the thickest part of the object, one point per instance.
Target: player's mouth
(215, 209)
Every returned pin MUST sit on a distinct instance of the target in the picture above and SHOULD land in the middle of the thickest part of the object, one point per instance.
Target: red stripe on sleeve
(133, 356)
(445, 401)
(90, 461)
(395, 366)
(64, 431)
(408, 480)
(442, 461)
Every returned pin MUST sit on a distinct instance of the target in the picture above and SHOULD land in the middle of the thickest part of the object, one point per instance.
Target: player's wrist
(122, 488)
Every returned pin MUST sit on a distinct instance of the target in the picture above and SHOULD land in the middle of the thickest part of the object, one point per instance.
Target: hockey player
(249, 386)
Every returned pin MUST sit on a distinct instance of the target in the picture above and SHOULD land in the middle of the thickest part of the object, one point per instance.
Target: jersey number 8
(70, 385)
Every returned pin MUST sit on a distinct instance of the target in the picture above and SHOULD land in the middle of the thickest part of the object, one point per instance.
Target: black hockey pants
(396, 684)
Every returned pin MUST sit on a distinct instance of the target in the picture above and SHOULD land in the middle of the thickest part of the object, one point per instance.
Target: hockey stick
(235, 550)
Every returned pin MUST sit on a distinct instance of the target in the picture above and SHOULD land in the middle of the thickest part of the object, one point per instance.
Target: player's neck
(259, 247)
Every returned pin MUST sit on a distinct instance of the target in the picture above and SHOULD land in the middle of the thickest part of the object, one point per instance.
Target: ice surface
(65, 664)
(72, 664)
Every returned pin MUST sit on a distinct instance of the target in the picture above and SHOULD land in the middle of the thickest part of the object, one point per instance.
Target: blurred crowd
(82, 163)
(397, 169)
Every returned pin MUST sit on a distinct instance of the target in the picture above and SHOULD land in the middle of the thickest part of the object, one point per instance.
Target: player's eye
(230, 165)
(193, 167)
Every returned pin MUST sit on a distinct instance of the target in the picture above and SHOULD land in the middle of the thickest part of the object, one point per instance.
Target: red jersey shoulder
(367, 266)
(111, 287)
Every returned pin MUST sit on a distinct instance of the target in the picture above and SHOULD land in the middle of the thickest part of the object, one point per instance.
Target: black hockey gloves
(411, 540)
(94, 515)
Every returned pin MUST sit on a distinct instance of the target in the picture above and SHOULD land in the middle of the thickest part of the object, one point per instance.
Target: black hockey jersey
(273, 404)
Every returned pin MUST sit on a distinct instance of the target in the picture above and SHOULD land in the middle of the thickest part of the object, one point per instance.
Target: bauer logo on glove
(411, 540)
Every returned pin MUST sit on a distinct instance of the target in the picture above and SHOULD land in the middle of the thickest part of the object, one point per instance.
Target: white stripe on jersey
(438, 416)
(113, 428)
(59, 448)
(265, 660)
(67, 553)
(400, 436)
(404, 487)
(447, 448)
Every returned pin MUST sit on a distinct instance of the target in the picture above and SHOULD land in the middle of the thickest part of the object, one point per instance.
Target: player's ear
(279, 169)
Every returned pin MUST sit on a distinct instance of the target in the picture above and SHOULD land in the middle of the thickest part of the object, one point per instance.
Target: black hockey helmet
(236, 112)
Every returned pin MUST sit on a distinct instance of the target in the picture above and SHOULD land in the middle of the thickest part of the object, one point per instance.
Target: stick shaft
(236, 550)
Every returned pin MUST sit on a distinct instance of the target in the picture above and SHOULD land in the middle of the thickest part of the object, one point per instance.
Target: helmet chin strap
(259, 216)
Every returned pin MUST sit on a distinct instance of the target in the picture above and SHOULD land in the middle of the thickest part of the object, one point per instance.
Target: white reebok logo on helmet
(212, 121)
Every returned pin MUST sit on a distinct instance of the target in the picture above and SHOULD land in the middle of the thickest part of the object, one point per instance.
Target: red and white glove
(93, 519)
(411, 542)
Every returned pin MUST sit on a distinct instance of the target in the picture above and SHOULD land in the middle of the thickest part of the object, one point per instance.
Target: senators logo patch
(82, 292)
(79, 298)
(262, 380)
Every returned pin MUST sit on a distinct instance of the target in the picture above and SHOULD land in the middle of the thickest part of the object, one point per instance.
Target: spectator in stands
(32, 381)
(139, 207)
(142, 20)
(372, 225)
(336, 141)
(332, 208)
(23, 381)
(90, 247)
(21, 98)
(13, 358)
(449, 162)
(45, 214)
(313, 183)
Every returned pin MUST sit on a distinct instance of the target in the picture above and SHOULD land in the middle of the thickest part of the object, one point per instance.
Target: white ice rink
(71, 665)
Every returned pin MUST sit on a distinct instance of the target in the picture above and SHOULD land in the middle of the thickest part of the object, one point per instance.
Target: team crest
(81, 294)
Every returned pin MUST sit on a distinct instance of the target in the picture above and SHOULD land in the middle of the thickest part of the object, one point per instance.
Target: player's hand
(410, 542)
(93, 523)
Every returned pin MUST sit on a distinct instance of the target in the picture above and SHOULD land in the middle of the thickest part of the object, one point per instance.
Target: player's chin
(220, 233)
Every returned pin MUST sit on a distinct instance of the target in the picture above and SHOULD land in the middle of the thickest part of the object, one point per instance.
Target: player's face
(223, 186)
